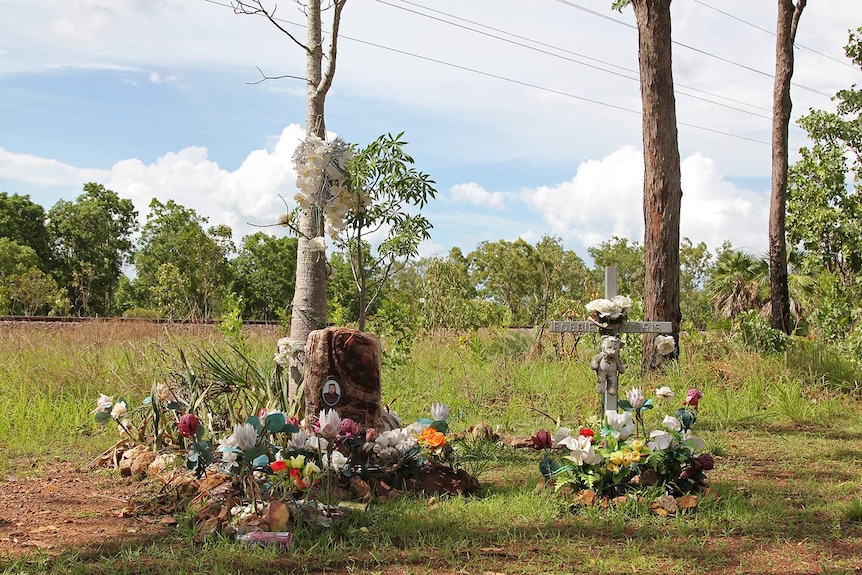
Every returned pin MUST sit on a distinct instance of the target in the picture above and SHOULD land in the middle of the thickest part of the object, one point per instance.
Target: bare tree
(788, 21)
(309, 299)
(662, 181)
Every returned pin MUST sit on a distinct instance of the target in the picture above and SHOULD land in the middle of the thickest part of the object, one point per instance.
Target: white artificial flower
(665, 344)
(672, 423)
(315, 443)
(582, 451)
(120, 409)
(439, 411)
(317, 244)
(229, 459)
(636, 397)
(339, 461)
(417, 428)
(562, 437)
(664, 392)
(244, 436)
(602, 306)
(104, 402)
(298, 439)
(622, 302)
(621, 424)
(329, 423)
(659, 439)
(284, 219)
(695, 443)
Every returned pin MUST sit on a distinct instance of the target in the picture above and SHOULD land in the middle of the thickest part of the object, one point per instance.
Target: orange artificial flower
(432, 438)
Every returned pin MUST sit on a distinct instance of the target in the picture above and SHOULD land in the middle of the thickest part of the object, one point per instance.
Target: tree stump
(342, 372)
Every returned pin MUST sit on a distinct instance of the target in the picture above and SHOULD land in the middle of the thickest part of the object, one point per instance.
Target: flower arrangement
(609, 311)
(617, 455)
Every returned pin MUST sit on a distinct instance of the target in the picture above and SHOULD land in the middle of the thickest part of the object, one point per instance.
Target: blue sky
(155, 98)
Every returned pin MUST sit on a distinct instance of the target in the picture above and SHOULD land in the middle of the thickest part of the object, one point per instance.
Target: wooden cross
(609, 399)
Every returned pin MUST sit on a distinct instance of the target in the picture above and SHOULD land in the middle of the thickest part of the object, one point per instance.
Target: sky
(525, 113)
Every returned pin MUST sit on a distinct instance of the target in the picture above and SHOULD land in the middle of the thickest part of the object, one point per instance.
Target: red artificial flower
(188, 425)
(586, 432)
(692, 397)
(541, 439)
(278, 466)
(705, 461)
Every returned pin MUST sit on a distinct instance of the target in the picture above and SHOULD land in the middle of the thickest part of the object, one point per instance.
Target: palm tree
(738, 283)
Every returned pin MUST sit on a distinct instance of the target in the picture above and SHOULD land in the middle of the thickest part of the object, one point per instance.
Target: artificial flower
(439, 411)
(665, 344)
(119, 410)
(432, 438)
(659, 439)
(541, 439)
(278, 466)
(297, 462)
(582, 451)
(349, 427)
(636, 398)
(298, 439)
(705, 461)
(317, 244)
(328, 423)
(338, 459)
(586, 432)
(244, 436)
(188, 424)
(104, 402)
(621, 424)
(284, 219)
(311, 468)
(561, 437)
(664, 392)
(692, 397)
(671, 423)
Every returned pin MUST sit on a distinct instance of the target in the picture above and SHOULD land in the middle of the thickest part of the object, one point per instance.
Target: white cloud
(605, 199)
(45, 171)
(155, 78)
(473, 193)
(243, 198)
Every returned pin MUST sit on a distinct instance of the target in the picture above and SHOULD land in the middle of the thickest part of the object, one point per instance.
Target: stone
(342, 372)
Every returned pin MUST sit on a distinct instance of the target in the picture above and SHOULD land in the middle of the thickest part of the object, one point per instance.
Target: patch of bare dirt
(71, 509)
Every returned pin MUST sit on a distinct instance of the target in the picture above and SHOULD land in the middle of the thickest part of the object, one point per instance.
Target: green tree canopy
(181, 266)
(23, 222)
(264, 273)
(92, 240)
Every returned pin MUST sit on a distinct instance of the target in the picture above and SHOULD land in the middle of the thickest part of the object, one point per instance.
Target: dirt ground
(87, 510)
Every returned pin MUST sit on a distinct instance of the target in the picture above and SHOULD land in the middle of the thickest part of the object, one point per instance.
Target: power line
(635, 78)
(694, 49)
(507, 79)
(770, 32)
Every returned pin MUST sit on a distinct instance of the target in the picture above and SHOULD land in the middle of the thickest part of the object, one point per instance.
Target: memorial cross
(609, 397)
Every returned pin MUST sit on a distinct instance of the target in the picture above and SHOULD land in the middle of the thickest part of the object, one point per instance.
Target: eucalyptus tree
(24, 287)
(309, 299)
(92, 240)
(788, 22)
(662, 179)
(383, 201)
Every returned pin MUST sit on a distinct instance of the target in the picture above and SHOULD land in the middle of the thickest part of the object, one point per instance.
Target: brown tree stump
(342, 372)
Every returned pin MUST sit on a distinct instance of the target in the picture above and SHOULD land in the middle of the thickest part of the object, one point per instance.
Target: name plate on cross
(623, 327)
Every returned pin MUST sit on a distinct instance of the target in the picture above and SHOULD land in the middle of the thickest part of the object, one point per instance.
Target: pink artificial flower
(350, 427)
(692, 397)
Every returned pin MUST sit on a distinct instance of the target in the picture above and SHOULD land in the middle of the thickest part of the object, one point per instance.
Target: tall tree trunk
(662, 187)
(788, 20)
(309, 297)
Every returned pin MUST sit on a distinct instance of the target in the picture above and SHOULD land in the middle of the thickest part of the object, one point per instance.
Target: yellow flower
(297, 462)
(310, 469)
(636, 456)
(616, 457)
(613, 468)
(627, 458)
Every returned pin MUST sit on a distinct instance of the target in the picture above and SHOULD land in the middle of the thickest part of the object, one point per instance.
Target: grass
(786, 433)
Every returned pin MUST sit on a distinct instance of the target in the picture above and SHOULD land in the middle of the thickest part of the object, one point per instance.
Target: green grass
(787, 483)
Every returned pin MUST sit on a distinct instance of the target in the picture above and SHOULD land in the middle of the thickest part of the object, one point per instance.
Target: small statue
(608, 365)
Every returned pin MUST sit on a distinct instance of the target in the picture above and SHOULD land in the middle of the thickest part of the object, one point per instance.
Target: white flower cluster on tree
(321, 180)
